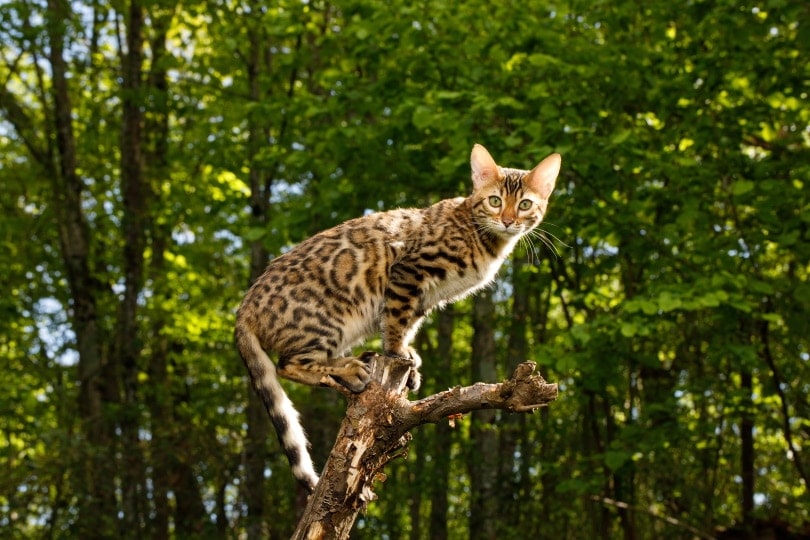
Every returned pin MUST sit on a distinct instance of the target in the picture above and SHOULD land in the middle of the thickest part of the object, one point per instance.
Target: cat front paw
(410, 354)
(414, 377)
(406, 353)
(414, 357)
(414, 380)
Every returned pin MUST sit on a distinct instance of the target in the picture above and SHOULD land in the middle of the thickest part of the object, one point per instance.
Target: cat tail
(279, 407)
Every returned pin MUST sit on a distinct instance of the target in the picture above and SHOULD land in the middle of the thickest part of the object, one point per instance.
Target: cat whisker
(555, 237)
(543, 236)
(538, 235)
(550, 224)
(541, 232)
(532, 256)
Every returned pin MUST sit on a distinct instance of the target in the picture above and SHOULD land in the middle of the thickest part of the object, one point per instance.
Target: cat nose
(507, 221)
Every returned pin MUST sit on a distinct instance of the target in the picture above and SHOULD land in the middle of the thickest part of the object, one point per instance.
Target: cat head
(510, 202)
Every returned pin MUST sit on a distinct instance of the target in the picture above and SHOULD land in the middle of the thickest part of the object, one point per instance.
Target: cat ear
(484, 168)
(541, 179)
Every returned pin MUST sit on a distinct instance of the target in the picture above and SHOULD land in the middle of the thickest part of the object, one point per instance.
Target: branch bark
(376, 429)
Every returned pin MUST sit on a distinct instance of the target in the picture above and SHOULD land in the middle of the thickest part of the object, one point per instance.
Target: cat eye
(495, 201)
(525, 204)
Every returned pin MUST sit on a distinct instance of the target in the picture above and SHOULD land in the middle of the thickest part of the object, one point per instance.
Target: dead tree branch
(376, 429)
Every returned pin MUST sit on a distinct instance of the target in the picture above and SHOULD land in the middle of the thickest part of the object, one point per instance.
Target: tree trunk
(134, 222)
(375, 431)
(255, 464)
(442, 438)
(258, 426)
(779, 385)
(158, 399)
(96, 508)
(158, 395)
(513, 476)
(416, 475)
(540, 449)
(483, 458)
(747, 471)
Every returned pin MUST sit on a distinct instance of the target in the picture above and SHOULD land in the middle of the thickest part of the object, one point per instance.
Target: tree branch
(652, 512)
(375, 431)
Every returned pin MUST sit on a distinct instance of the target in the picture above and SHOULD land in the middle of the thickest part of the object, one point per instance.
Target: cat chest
(456, 283)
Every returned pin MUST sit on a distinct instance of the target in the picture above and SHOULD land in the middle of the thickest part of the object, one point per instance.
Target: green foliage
(672, 309)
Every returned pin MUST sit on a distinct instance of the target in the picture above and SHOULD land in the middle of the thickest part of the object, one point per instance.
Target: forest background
(154, 155)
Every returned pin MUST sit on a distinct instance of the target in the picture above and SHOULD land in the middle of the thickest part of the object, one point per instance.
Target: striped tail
(279, 407)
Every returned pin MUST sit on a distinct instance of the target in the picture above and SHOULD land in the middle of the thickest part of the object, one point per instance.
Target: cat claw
(414, 357)
(409, 355)
(414, 380)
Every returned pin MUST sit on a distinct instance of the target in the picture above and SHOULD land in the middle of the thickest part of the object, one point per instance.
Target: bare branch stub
(525, 391)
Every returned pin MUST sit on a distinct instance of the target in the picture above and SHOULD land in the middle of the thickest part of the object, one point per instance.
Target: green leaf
(649, 307)
(573, 485)
(615, 459)
(581, 333)
(422, 117)
(629, 329)
(620, 136)
(772, 317)
(448, 94)
(759, 286)
(741, 187)
(255, 233)
(667, 302)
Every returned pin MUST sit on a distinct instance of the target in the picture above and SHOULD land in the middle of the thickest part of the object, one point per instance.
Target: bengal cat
(380, 273)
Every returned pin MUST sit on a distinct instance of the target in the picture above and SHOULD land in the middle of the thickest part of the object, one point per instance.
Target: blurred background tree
(154, 154)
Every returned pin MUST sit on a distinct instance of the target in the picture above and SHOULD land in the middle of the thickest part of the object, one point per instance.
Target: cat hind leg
(312, 366)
